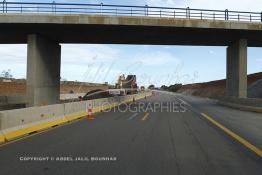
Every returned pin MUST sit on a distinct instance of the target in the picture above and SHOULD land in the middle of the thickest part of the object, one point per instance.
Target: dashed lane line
(132, 116)
(145, 116)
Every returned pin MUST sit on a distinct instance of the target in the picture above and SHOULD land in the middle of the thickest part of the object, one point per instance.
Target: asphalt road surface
(163, 134)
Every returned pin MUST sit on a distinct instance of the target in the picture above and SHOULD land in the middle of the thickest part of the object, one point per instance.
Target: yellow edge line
(235, 136)
(145, 116)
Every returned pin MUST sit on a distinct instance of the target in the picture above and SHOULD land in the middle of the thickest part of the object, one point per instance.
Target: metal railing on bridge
(124, 10)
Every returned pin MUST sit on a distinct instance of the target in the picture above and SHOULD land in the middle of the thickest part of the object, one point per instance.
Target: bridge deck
(79, 28)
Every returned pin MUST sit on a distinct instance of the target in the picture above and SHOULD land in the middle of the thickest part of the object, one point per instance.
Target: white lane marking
(184, 102)
(133, 116)
(176, 96)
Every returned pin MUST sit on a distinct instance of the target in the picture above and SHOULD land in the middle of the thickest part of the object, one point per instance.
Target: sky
(159, 65)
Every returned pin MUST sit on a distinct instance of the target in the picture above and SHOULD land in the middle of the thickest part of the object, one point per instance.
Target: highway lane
(142, 142)
(246, 124)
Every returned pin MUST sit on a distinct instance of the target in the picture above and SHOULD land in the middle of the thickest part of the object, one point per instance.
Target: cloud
(245, 5)
(89, 63)
(13, 54)
(13, 57)
(85, 54)
(168, 3)
(167, 47)
(76, 59)
(211, 52)
(71, 54)
(157, 58)
(95, 74)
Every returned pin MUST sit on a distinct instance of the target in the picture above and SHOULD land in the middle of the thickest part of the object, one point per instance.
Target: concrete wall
(19, 122)
(22, 121)
(7, 100)
(71, 96)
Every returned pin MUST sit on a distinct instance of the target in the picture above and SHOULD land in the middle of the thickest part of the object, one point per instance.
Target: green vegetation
(151, 86)
(172, 88)
(6, 74)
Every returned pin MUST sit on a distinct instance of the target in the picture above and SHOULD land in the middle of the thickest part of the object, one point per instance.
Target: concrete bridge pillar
(236, 84)
(43, 71)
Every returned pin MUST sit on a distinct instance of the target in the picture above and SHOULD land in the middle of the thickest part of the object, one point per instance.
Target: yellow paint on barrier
(2, 138)
(77, 116)
(24, 131)
(250, 146)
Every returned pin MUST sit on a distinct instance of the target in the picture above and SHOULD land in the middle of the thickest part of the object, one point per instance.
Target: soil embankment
(18, 87)
(215, 89)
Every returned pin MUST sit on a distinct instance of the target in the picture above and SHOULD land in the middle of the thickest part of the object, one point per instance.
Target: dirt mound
(255, 89)
(215, 89)
(19, 87)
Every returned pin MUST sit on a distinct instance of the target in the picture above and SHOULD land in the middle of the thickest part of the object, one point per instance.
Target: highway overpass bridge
(43, 26)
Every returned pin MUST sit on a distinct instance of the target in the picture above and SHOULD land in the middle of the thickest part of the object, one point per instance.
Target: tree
(164, 87)
(6, 74)
(175, 87)
(151, 86)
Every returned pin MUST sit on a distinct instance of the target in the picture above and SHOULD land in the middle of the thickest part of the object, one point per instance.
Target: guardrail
(123, 10)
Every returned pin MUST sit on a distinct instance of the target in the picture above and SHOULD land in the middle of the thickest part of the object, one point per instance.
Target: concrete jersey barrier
(20, 122)
(15, 123)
